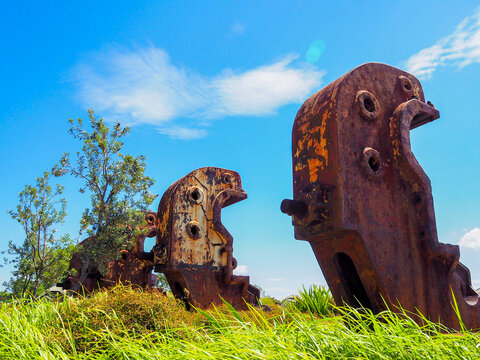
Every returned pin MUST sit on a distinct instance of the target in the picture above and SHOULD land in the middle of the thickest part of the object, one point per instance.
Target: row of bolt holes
(192, 229)
(369, 104)
(374, 162)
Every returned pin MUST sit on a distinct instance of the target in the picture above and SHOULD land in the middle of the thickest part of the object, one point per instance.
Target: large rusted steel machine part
(365, 204)
(134, 266)
(193, 248)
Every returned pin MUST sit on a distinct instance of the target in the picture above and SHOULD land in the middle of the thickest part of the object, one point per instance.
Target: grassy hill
(124, 323)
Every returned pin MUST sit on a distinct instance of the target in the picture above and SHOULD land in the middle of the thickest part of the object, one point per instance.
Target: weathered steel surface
(134, 266)
(365, 204)
(193, 248)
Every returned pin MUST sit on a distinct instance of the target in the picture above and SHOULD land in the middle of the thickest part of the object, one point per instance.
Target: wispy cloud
(241, 270)
(145, 87)
(471, 239)
(461, 48)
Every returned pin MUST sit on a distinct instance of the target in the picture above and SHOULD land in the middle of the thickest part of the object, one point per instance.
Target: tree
(42, 259)
(117, 185)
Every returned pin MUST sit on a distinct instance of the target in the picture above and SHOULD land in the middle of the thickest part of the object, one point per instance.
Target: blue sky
(218, 83)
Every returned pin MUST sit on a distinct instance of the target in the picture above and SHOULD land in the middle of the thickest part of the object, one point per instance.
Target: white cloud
(241, 270)
(263, 90)
(145, 87)
(183, 133)
(471, 239)
(461, 48)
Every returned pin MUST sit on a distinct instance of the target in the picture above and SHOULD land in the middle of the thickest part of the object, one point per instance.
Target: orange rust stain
(394, 136)
(313, 165)
(299, 166)
(312, 140)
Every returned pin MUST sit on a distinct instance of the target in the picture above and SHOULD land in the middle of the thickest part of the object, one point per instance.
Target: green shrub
(124, 311)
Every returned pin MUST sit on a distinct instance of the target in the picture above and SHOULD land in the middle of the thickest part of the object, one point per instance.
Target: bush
(123, 311)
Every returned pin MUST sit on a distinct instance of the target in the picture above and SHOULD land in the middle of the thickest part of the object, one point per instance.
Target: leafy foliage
(117, 185)
(43, 258)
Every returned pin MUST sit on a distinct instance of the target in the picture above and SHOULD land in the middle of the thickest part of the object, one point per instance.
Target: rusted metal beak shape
(193, 248)
(365, 204)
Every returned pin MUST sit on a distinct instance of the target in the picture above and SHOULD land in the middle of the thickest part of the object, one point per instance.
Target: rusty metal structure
(193, 248)
(365, 205)
(134, 265)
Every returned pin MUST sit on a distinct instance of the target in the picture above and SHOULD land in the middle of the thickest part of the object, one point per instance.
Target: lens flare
(316, 49)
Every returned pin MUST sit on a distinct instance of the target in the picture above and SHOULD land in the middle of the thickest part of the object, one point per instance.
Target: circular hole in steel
(369, 104)
(374, 163)
(196, 195)
(406, 84)
(193, 230)
(227, 178)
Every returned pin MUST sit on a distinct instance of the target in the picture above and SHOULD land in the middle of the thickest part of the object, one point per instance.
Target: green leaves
(39, 261)
(116, 183)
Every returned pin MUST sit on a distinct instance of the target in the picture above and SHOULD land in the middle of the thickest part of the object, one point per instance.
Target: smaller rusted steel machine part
(134, 266)
(193, 248)
(365, 204)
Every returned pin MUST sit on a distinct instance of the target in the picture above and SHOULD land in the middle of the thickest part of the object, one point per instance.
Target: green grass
(314, 300)
(127, 324)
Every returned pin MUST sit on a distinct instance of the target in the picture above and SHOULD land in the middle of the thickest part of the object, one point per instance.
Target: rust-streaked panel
(193, 249)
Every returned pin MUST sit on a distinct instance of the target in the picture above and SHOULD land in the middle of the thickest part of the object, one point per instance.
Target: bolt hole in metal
(150, 220)
(369, 105)
(406, 84)
(226, 179)
(196, 195)
(193, 230)
(374, 163)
